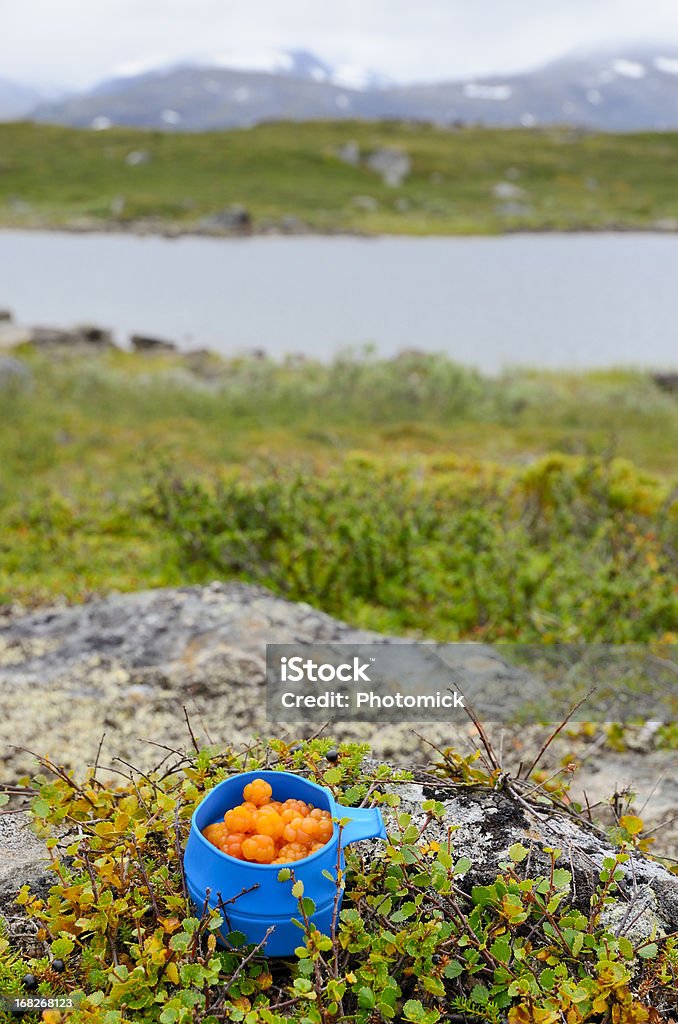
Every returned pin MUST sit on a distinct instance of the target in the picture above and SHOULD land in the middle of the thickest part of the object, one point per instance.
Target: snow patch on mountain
(483, 91)
(628, 68)
(669, 65)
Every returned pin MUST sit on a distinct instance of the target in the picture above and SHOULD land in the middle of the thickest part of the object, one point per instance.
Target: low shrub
(412, 943)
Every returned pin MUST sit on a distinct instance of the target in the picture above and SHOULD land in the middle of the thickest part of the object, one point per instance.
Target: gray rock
(12, 336)
(95, 335)
(23, 861)
(203, 647)
(393, 164)
(291, 225)
(349, 153)
(137, 157)
(666, 382)
(487, 822)
(86, 336)
(6, 315)
(125, 665)
(507, 190)
(117, 206)
(148, 343)
(236, 219)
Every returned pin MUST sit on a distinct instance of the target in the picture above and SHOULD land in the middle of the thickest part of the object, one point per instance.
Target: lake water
(545, 300)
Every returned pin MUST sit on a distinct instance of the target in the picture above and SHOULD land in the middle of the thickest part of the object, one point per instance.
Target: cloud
(78, 42)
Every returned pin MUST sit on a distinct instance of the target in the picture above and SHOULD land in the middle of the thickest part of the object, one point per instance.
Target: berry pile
(270, 832)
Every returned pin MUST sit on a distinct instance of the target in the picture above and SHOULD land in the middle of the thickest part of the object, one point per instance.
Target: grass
(60, 177)
(508, 508)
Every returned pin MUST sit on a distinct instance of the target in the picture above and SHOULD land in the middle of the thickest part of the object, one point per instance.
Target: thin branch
(547, 743)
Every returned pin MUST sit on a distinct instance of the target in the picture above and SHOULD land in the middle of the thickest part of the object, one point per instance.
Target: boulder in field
(149, 343)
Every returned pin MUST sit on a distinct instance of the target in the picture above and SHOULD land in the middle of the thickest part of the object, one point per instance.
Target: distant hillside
(337, 176)
(615, 91)
(16, 100)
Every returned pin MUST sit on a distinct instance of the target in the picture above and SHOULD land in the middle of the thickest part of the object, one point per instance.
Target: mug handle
(365, 823)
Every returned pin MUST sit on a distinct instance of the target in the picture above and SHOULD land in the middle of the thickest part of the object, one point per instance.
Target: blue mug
(249, 896)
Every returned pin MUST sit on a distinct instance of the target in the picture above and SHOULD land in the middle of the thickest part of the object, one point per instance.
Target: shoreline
(171, 231)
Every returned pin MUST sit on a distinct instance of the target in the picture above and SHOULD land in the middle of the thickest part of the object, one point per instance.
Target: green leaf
(285, 874)
(298, 889)
(62, 947)
(4, 799)
(463, 865)
(413, 1010)
(405, 912)
(453, 969)
(333, 775)
(434, 986)
(41, 807)
(648, 951)
(501, 949)
(518, 852)
(366, 1000)
(308, 906)
(547, 978)
(479, 994)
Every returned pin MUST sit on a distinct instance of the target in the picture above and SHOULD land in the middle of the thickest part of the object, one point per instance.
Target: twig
(236, 974)
(96, 760)
(147, 881)
(190, 730)
(177, 847)
(484, 738)
(547, 743)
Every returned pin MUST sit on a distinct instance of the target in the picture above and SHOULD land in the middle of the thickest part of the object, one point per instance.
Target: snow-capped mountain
(629, 90)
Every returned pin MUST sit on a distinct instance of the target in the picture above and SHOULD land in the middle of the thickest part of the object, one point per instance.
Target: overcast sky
(79, 42)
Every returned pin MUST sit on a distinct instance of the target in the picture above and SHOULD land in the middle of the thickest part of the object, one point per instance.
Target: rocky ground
(123, 668)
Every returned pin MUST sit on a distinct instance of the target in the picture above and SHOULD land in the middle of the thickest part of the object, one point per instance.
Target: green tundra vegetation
(409, 495)
(418, 939)
(560, 179)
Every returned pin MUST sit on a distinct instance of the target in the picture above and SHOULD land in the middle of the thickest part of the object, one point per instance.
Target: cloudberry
(258, 791)
(239, 819)
(270, 824)
(232, 845)
(259, 848)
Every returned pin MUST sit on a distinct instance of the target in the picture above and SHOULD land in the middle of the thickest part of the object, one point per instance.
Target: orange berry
(258, 791)
(232, 845)
(239, 819)
(259, 848)
(325, 830)
(212, 833)
(269, 824)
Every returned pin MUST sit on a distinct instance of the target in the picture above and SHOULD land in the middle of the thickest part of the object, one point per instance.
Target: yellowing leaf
(632, 823)
(172, 973)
